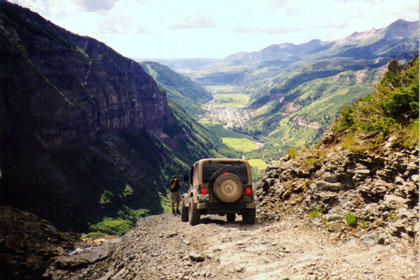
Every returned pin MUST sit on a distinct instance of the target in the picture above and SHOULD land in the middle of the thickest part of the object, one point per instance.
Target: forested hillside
(181, 90)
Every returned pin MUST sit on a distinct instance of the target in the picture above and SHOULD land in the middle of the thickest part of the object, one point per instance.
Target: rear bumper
(206, 207)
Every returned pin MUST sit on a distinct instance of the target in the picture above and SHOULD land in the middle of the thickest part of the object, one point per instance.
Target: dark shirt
(176, 187)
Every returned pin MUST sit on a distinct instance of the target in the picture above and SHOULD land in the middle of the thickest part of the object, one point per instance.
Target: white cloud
(280, 30)
(217, 28)
(194, 21)
(96, 5)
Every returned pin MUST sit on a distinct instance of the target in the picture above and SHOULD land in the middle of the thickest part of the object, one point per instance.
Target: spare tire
(228, 188)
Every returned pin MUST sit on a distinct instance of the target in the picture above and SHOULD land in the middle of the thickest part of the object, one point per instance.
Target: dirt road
(162, 247)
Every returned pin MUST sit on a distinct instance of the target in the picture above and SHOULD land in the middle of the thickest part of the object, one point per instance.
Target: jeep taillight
(248, 190)
(203, 190)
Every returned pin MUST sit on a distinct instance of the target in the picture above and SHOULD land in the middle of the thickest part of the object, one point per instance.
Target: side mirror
(186, 178)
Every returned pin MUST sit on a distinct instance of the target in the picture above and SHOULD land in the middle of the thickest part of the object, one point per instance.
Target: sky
(216, 28)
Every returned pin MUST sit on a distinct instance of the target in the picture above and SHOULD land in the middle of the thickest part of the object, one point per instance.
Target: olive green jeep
(219, 186)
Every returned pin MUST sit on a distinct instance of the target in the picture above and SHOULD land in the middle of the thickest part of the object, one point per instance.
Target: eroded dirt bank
(163, 247)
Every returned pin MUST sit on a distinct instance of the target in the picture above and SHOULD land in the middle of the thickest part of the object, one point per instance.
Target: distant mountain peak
(400, 22)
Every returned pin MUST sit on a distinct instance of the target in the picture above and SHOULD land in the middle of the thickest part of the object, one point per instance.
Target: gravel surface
(163, 247)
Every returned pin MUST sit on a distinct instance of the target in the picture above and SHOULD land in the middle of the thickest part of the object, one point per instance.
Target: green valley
(287, 95)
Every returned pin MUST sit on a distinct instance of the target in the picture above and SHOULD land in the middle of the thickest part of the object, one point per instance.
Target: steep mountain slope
(181, 90)
(88, 140)
(185, 65)
(364, 174)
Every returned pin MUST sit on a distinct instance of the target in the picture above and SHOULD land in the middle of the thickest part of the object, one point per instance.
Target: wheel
(184, 213)
(230, 217)
(228, 188)
(194, 215)
(248, 216)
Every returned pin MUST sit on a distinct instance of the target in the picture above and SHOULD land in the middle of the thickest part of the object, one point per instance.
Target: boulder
(328, 186)
(394, 202)
(85, 256)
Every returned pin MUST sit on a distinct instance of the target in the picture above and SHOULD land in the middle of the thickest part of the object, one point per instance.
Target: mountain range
(297, 90)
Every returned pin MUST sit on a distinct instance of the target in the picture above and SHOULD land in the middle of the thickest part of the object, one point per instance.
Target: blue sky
(216, 28)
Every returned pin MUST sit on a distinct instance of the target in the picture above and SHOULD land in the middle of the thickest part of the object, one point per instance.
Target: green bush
(344, 120)
(402, 104)
(112, 226)
(391, 108)
(363, 223)
(106, 197)
(310, 162)
(350, 143)
(292, 152)
(132, 215)
(307, 183)
(94, 234)
(351, 220)
(314, 213)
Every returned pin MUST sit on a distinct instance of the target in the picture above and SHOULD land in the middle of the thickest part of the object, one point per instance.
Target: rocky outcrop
(72, 88)
(28, 245)
(379, 188)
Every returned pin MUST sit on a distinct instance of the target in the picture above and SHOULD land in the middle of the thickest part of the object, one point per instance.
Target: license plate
(202, 197)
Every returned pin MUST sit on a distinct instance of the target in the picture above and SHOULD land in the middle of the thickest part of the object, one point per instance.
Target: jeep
(219, 186)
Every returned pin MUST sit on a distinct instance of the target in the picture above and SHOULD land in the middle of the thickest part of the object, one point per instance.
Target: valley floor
(162, 247)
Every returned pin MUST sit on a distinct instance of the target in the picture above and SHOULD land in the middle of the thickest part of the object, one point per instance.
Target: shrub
(392, 216)
(350, 143)
(112, 226)
(307, 183)
(344, 120)
(314, 213)
(132, 215)
(391, 108)
(94, 234)
(402, 104)
(128, 190)
(351, 220)
(407, 137)
(363, 223)
(106, 197)
(309, 162)
(292, 152)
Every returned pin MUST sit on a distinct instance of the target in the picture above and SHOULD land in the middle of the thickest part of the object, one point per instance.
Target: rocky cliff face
(61, 89)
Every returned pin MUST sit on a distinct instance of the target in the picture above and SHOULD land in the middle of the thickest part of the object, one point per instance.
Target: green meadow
(233, 139)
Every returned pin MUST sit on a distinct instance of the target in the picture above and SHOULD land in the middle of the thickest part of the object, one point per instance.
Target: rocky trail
(163, 247)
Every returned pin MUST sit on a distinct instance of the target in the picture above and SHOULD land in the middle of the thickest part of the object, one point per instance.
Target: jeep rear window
(237, 168)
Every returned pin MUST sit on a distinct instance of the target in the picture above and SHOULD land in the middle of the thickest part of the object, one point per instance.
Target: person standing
(175, 186)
